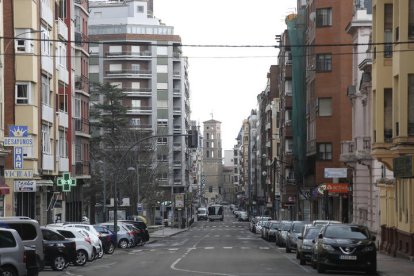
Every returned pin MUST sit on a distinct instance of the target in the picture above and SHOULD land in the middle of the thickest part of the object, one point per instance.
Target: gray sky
(225, 82)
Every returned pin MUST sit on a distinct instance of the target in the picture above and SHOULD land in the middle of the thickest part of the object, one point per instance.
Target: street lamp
(137, 173)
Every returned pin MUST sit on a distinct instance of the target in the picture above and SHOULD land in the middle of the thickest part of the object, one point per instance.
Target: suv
(30, 233)
(14, 256)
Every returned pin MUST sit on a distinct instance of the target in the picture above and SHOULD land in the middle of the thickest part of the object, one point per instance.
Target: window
(410, 104)
(388, 18)
(162, 104)
(7, 239)
(46, 140)
(289, 145)
(325, 106)
(62, 55)
(288, 87)
(162, 50)
(23, 91)
(117, 85)
(136, 103)
(324, 17)
(323, 62)
(325, 151)
(115, 49)
(135, 68)
(411, 19)
(63, 145)
(162, 86)
(140, 9)
(23, 41)
(162, 69)
(45, 43)
(388, 115)
(162, 140)
(46, 91)
(115, 67)
(135, 121)
(78, 108)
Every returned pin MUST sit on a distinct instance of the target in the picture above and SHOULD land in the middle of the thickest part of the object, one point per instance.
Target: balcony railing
(81, 82)
(139, 110)
(146, 53)
(128, 72)
(82, 167)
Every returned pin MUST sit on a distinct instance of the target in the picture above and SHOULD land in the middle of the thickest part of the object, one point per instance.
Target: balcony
(363, 148)
(81, 83)
(128, 54)
(82, 168)
(62, 29)
(63, 164)
(177, 129)
(47, 113)
(128, 73)
(63, 119)
(47, 162)
(177, 146)
(47, 14)
(140, 110)
(347, 152)
(176, 92)
(177, 163)
(177, 110)
(78, 39)
(137, 92)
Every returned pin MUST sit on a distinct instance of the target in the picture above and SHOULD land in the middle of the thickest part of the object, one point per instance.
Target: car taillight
(87, 239)
(130, 233)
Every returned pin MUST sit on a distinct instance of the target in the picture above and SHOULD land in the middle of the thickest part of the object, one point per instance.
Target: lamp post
(137, 174)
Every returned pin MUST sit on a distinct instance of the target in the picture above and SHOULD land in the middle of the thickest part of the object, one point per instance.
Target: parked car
(271, 232)
(15, 258)
(305, 243)
(323, 222)
(345, 247)
(295, 230)
(125, 238)
(281, 234)
(30, 233)
(59, 251)
(93, 234)
(243, 216)
(108, 239)
(140, 225)
(84, 247)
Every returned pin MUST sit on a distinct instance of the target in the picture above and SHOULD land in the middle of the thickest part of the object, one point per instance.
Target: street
(213, 248)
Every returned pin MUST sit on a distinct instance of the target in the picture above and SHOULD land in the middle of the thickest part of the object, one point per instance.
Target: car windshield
(311, 233)
(346, 232)
(298, 228)
(274, 225)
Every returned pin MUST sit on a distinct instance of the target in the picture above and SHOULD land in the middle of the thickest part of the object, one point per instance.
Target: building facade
(143, 58)
(393, 120)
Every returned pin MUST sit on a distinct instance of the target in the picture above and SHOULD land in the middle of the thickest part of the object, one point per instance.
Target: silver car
(12, 253)
(125, 238)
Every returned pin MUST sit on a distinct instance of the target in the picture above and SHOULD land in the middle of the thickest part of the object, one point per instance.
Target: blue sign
(18, 158)
(18, 131)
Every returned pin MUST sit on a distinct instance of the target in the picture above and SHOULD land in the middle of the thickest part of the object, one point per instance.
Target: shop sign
(335, 172)
(25, 186)
(179, 200)
(334, 188)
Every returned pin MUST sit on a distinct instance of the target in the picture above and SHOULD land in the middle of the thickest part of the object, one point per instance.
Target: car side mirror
(300, 238)
(320, 236)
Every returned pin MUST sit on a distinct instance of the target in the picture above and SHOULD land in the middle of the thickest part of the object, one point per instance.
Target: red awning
(4, 189)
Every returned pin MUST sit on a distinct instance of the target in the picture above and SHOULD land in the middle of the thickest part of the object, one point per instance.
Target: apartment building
(356, 153)
(39, 111)
(328, 109)
(138, 54)
(393, 120)
(4, 189)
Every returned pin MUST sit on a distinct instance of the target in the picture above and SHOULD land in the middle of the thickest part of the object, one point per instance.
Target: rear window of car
(7, 239)
(311, 233)
(52, 235)
(26, 231)
(67, 234)
(298, 227)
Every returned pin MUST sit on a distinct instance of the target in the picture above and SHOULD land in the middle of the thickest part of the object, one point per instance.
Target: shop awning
(4, 189)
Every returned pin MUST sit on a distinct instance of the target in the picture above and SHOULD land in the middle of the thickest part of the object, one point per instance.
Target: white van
(202, 213)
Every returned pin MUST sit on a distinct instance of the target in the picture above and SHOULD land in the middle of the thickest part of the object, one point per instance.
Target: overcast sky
(224, 82)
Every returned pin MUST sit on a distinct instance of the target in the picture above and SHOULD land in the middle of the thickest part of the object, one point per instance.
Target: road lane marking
(227, 247)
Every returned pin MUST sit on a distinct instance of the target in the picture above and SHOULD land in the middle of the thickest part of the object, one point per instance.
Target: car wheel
(101, 253)
(372, 269)
(94, 253)
(58, 263)
(302, 261)
(81, 258)
(8, 271)
(123, 243)
(320, 267)
(110, 249)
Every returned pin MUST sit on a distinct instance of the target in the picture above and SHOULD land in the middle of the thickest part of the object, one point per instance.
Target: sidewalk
(395, 266)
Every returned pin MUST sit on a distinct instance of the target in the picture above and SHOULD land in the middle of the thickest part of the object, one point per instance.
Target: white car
(84, 247)
(93, 234)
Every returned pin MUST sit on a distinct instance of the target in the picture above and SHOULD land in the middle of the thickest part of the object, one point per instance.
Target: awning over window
(4, 189)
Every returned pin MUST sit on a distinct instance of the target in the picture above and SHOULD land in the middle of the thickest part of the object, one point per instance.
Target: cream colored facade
(393, 128)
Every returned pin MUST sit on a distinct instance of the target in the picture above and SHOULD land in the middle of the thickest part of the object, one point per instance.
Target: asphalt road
(225, 248)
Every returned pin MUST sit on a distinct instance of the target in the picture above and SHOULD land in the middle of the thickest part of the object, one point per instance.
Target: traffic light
(192, 138)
